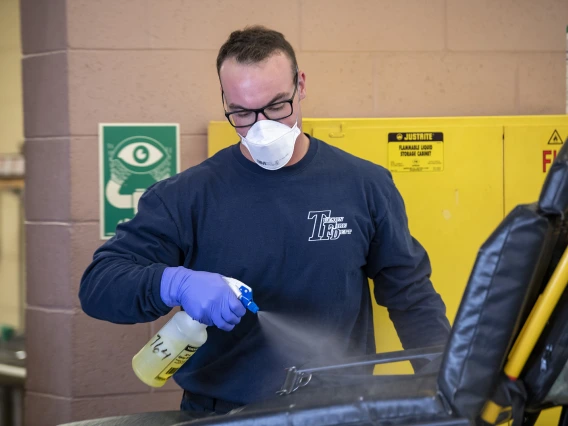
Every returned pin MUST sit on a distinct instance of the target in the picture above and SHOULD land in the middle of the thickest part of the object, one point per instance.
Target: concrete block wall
(91, 61)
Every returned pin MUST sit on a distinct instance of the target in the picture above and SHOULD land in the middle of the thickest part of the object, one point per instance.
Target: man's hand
(205, 296)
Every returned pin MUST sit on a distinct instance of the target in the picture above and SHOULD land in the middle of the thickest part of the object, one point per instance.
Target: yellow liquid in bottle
(168, 350)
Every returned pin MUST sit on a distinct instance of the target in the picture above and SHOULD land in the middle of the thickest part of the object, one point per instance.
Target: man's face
(258, 85)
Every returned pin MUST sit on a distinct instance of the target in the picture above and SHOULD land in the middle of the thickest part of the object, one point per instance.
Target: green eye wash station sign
(132, 157)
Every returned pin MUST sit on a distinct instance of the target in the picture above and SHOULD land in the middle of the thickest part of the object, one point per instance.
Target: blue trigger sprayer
(178, 340)
(243, 293)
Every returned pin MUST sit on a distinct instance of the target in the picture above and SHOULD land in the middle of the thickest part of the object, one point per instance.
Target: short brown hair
(253, 45)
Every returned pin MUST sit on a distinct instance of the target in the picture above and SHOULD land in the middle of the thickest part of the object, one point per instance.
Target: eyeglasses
(274, 111)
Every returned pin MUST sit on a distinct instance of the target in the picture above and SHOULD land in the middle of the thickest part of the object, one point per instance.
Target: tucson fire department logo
(326, 226)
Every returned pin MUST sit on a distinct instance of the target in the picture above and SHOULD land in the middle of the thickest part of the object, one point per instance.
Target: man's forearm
(423, 324)
(117, 290)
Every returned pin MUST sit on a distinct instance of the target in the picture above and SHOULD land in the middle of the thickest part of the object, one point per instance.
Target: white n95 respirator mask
(271, 143)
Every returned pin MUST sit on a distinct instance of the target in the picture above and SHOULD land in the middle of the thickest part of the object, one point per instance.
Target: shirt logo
(327, 227)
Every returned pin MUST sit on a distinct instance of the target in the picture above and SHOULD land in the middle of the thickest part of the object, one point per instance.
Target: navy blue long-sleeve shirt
(305, 238)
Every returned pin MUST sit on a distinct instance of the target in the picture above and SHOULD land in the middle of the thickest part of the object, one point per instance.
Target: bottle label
(176, 363)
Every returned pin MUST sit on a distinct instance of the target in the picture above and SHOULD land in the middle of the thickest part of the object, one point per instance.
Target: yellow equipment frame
(532, 330)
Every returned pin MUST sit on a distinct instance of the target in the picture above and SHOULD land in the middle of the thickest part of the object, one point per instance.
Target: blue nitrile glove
(205, 296)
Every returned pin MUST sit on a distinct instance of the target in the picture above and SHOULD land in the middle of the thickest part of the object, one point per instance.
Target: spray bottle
(178, 340)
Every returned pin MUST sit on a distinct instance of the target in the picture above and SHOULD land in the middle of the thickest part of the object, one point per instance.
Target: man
(302, 223)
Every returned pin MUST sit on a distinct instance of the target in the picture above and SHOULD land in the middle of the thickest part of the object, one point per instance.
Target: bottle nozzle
(249, 304)
(243, 293)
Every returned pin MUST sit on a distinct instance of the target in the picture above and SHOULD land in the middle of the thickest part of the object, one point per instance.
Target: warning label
(555, 139)
(416, 152)
(549, 152)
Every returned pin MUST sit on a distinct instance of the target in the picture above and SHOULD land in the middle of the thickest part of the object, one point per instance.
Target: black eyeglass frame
(261, 110)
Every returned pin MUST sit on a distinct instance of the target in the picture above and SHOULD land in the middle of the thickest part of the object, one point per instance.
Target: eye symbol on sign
(140, 154)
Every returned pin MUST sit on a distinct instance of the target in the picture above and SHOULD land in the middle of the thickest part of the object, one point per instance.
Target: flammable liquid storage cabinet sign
(416, 151)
